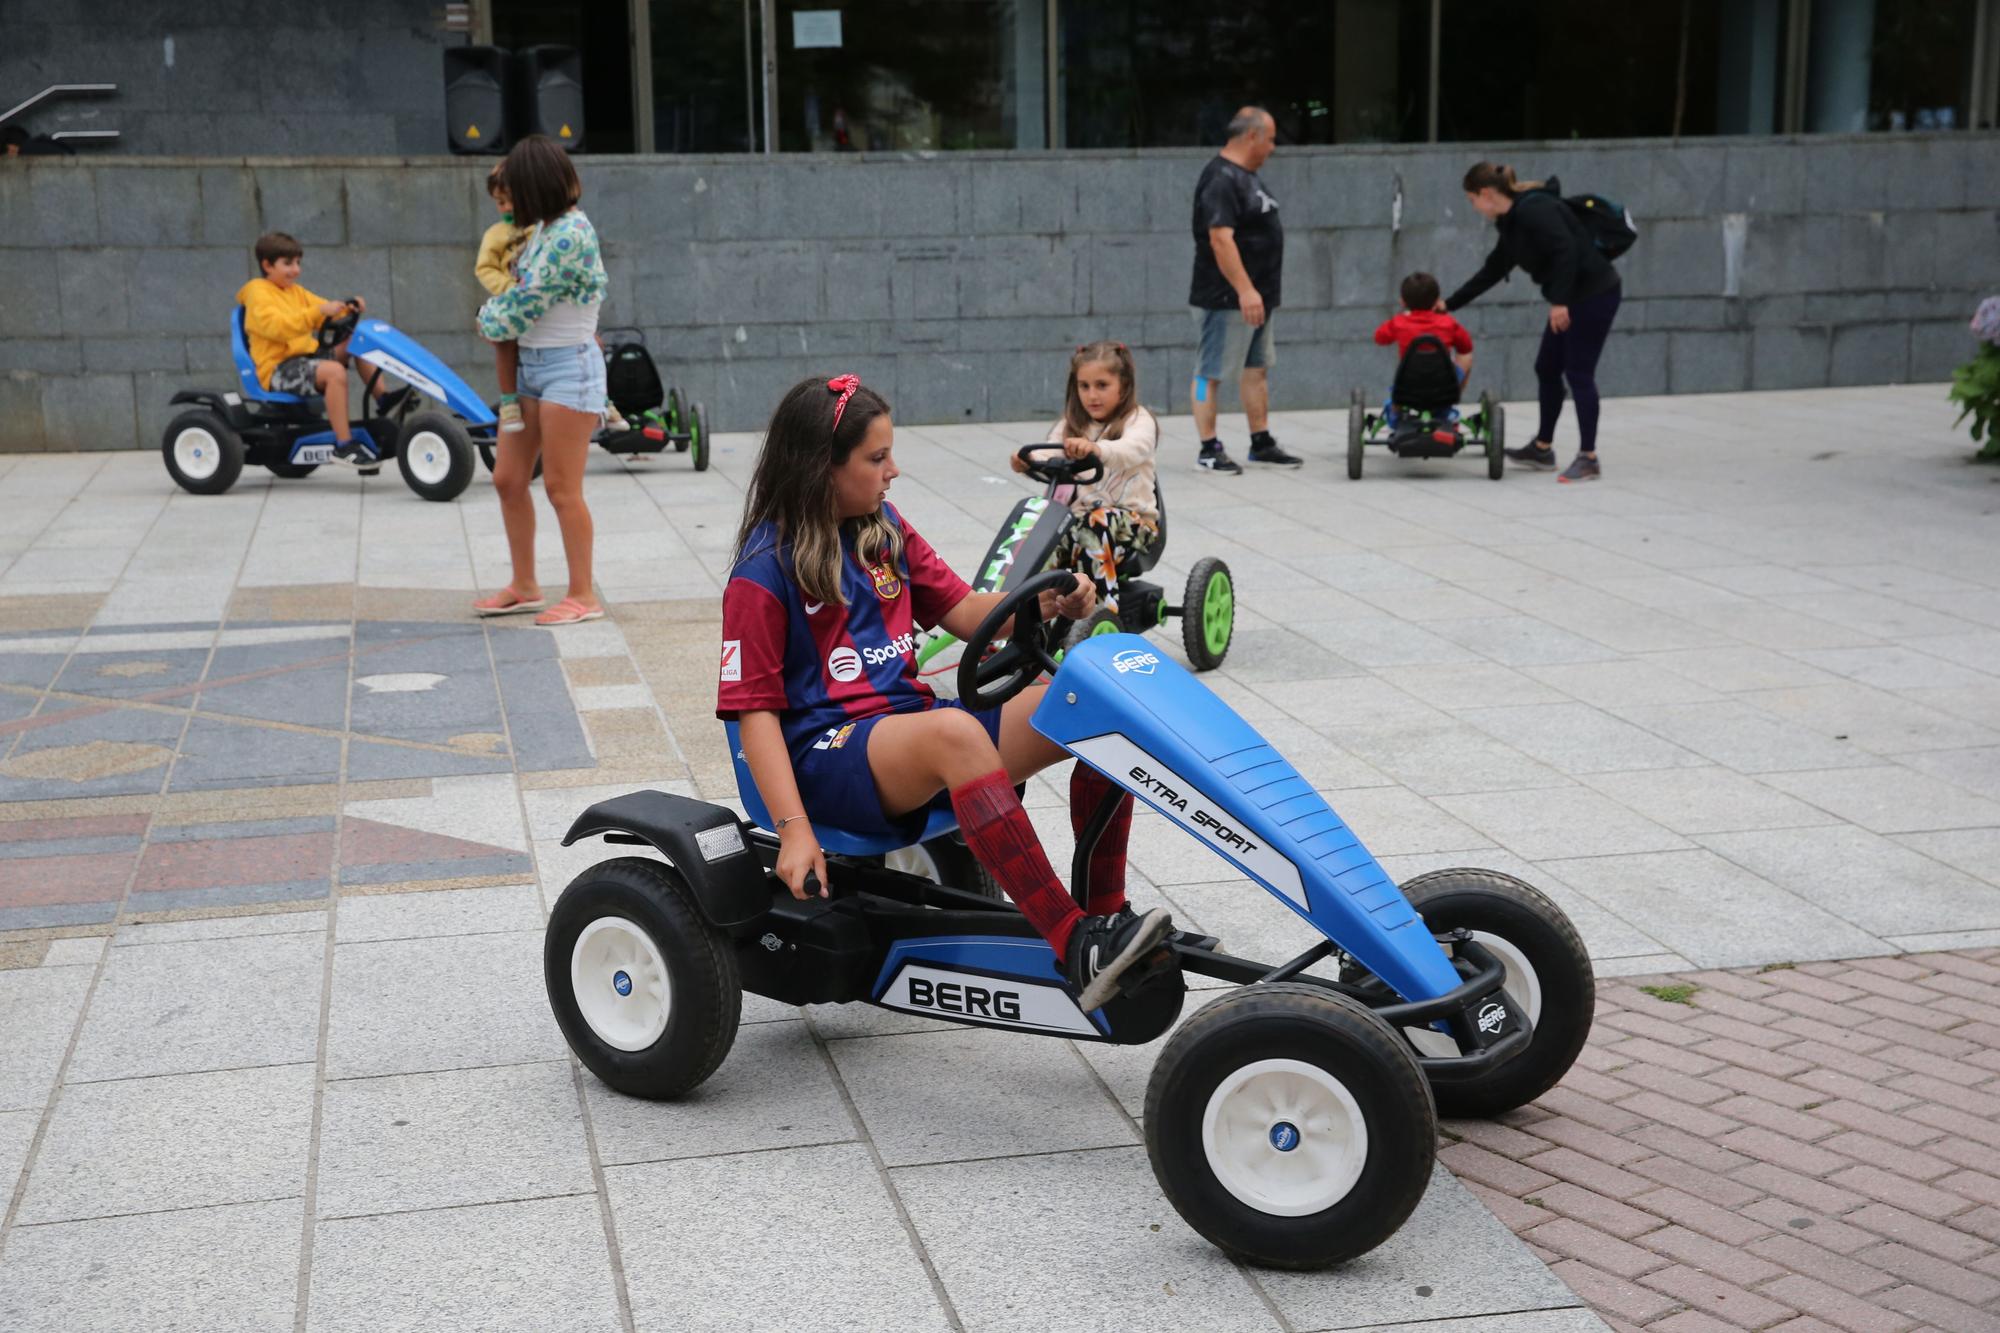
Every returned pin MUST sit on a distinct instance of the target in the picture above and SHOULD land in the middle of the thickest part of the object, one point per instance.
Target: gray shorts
(297, 374)
(1225, 344)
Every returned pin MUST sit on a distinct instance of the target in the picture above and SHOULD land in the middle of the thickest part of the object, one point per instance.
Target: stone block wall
(959, 283)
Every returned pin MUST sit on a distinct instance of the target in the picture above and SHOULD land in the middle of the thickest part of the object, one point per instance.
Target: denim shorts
(1227, 344)
(571, 377)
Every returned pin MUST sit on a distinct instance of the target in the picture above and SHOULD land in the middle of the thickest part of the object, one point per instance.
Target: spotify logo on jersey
(843, 664)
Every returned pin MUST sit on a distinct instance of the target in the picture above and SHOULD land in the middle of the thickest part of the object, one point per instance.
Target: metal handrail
(61, 90)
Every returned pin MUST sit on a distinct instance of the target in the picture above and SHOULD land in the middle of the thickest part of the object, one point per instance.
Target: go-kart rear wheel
(1290, 1126)
(1357, 429)
(947, 861)
(674, 421)
(1496, 438)
(1208, 613)
(435, 455)
(698, 436)
(204, 455)
(643, 986)
(1100, 621)
(1548, 975)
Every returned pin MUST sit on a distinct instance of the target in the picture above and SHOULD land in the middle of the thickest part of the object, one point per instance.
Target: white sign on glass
(815, 27)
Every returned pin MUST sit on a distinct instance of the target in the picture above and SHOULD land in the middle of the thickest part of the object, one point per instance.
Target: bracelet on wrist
(779, 825)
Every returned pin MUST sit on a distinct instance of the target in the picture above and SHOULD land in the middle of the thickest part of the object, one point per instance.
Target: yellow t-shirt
(278, 322)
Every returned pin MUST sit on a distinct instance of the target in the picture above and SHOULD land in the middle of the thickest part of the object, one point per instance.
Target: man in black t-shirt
(1239, 256)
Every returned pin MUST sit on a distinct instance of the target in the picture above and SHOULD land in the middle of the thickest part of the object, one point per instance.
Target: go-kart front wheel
(1208, 613)
(698, 436)
(203, 454)
(435, 455)
(1496, 437)
(643, 985)
(1290, 1126)
(1548, 975)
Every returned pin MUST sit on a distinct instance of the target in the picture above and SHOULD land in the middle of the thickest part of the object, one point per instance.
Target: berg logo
(843, 664)
(1135, 659)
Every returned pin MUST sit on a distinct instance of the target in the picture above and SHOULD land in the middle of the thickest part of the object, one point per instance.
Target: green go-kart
(1421, 419)
(1026, 545)
(657, 417)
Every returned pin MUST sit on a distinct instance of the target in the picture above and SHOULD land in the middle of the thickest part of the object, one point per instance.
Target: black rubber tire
(228, 444)
(1194, 635)
(706, 996)
(458, 445)
(1098, 622)
(698, 432)
(946, 860)
(1496, 440)
(1293, 1021)
(1356, 429)
(1519, 913)
(291, 471)
(675, 423)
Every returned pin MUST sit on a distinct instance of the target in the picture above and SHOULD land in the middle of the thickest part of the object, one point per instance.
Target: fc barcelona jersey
(820, 665)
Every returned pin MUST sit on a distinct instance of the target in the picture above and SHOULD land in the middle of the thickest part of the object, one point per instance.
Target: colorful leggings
(1098, 542)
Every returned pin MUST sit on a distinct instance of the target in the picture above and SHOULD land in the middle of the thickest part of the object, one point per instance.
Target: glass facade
(704, 76)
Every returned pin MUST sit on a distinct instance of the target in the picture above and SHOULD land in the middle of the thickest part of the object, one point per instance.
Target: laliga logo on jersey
(843, 664)
(1135, 659)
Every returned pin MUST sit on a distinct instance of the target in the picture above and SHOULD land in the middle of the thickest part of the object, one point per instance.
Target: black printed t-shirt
(1228, 196)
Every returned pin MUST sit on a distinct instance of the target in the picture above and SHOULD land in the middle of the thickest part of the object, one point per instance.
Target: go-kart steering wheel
(1061, 470)
(987, 682)
(336, 330)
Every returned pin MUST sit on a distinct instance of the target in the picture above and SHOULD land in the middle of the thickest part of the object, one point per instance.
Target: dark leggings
(1572, 355)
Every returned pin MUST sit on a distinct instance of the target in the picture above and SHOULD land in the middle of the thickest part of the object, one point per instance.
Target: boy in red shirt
(1421, 315)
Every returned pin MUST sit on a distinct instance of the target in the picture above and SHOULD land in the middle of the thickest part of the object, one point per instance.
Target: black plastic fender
(705, 843)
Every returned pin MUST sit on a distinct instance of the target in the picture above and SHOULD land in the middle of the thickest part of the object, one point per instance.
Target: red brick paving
(1795, 1149)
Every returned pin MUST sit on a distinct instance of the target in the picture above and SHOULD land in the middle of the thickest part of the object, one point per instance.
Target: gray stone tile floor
(1738, 703)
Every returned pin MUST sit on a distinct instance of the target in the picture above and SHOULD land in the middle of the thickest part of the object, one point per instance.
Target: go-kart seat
(246, 369)
(1426, 380)
(939, 821)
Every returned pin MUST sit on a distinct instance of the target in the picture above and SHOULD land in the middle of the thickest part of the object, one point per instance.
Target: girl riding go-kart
(819, 672)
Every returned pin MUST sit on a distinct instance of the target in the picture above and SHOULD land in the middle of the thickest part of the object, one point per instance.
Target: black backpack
(630, 378)
(1426, 379)
(1608, 222)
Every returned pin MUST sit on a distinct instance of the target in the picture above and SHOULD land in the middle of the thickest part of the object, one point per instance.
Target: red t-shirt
(1414, 323)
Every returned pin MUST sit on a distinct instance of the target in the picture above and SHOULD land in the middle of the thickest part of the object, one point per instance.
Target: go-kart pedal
(1116, 954)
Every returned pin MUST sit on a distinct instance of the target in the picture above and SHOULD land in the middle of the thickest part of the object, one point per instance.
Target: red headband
(844, 385)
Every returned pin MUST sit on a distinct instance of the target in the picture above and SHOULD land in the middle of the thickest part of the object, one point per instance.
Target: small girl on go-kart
(819, 620)
(1118, 516)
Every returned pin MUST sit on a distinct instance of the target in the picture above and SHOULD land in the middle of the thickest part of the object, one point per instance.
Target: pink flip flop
(569, 611)
(506, 602)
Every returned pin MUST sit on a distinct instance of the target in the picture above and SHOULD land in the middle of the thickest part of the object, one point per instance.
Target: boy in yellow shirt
(280, 319)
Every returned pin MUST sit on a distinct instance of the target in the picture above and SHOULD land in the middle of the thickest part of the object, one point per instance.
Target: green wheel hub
(1218, 613)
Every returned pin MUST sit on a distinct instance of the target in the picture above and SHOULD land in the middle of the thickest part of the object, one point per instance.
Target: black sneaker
(1273, 456)
(1218, 460)
(1583, 469)
(1529, 455)
(355, 454)
(1103, 949)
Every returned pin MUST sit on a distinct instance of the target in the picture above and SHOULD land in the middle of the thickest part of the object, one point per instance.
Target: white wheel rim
(196, 453)
(619, 980)
(1521, 982)
(914, 860)
(430, 457)
(1285, 1137)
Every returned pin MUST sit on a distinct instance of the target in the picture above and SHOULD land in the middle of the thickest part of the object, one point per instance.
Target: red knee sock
(1087, 787)
(997, 830)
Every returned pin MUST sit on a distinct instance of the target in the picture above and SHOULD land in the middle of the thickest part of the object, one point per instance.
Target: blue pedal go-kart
(1291, 1120)
(206, 447)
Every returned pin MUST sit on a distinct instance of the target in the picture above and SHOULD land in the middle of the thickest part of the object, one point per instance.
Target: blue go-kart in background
(1292, 1121)
(428, 427)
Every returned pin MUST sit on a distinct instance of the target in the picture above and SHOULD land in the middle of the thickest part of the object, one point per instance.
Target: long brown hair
(792, 487)
(540, 180)
(1489, 176)
(1076, 421)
